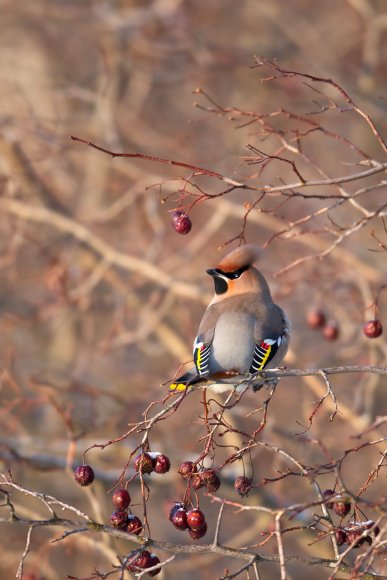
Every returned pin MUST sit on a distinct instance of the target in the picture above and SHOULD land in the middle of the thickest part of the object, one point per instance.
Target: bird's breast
(233, 343)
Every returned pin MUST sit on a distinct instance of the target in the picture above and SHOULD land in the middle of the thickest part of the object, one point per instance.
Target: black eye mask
(232, 275)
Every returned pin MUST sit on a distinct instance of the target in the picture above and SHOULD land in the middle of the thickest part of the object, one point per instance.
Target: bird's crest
(242, 256)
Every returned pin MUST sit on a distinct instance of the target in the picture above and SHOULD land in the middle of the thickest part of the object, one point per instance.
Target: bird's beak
(212, 272)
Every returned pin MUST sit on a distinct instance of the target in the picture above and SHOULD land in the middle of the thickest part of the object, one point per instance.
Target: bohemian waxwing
(242, 330)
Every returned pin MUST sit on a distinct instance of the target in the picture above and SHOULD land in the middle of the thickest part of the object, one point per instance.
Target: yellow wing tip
(177, 387)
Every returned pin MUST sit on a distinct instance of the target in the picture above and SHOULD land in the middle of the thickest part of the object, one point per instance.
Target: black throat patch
(221, 285)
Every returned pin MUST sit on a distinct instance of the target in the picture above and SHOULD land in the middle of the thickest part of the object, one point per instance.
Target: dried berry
(121, 499)
(141, 561)
(119, 519)
(331, 330)
(181, 222)
(144, 463)
(195, 520)
(315, 318)
(341, 508)
(327, 493)
(154, 561)
(197, 534)
(179, 519)
(197, 482)
(213, 485)
(341, 537)
(84, 475)
(372, 329)
(187, 469)
(134, 525)
(242, 485)
(162, 464)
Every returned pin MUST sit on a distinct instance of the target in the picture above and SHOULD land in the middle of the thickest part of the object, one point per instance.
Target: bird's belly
(233, 343)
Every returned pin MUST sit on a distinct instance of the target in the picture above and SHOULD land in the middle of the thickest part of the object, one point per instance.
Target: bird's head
(235, 274)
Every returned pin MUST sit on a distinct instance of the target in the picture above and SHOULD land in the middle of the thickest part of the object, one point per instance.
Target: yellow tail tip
(177, 387)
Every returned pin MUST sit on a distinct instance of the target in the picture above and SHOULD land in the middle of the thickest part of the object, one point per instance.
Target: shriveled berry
(187, 469)
(341, 508)
(328, 493)
(197, 482)
(154, 561)
(179, 519)
(119, 519)
(195, 519)
(134, 525)
(213, 485)
(208, 475)
(121, 499)
(376, 531)
(341, 537)
(144, 463)
(181, 222)
(331, 330)
(242, 485)
(162, 464)
(84, 475)
(141, 561)
(315, 318)
(372, 329)
(174, 508)
(197, 534)
(353, 535)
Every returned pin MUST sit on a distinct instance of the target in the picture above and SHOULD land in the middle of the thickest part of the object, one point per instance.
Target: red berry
(174, 508)
(341, 508)
(141, 561)
(327, 493)
(242, 485)
(154, 561)
(331, 330)
(195, 520)
(119, 519)
(84, 475)
(144, 463)
(187, 469)
(181, 222)
(197, 534)
(179, 519)
(315, 318)
(341, 537)
(134, 525)
(121, 499)
(372, 329)
(162, 464)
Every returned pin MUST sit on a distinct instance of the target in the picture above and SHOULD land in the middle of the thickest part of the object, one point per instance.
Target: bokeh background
(85, 345)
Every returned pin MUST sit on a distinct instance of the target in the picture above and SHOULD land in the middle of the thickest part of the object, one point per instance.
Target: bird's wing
(271, 340)
(201, 353)
(203, 341)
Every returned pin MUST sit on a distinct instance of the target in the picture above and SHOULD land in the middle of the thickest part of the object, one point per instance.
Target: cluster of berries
(192, 520)
(121, 518)
(152, 461)
(353, 530)
(206, 478)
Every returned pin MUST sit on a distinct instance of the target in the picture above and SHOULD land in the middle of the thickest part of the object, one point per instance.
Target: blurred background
(87, 340)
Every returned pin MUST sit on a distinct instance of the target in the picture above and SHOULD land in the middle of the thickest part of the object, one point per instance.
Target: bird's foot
(264, 381)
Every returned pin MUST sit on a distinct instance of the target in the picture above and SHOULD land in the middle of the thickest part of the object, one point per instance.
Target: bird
(242, 330)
